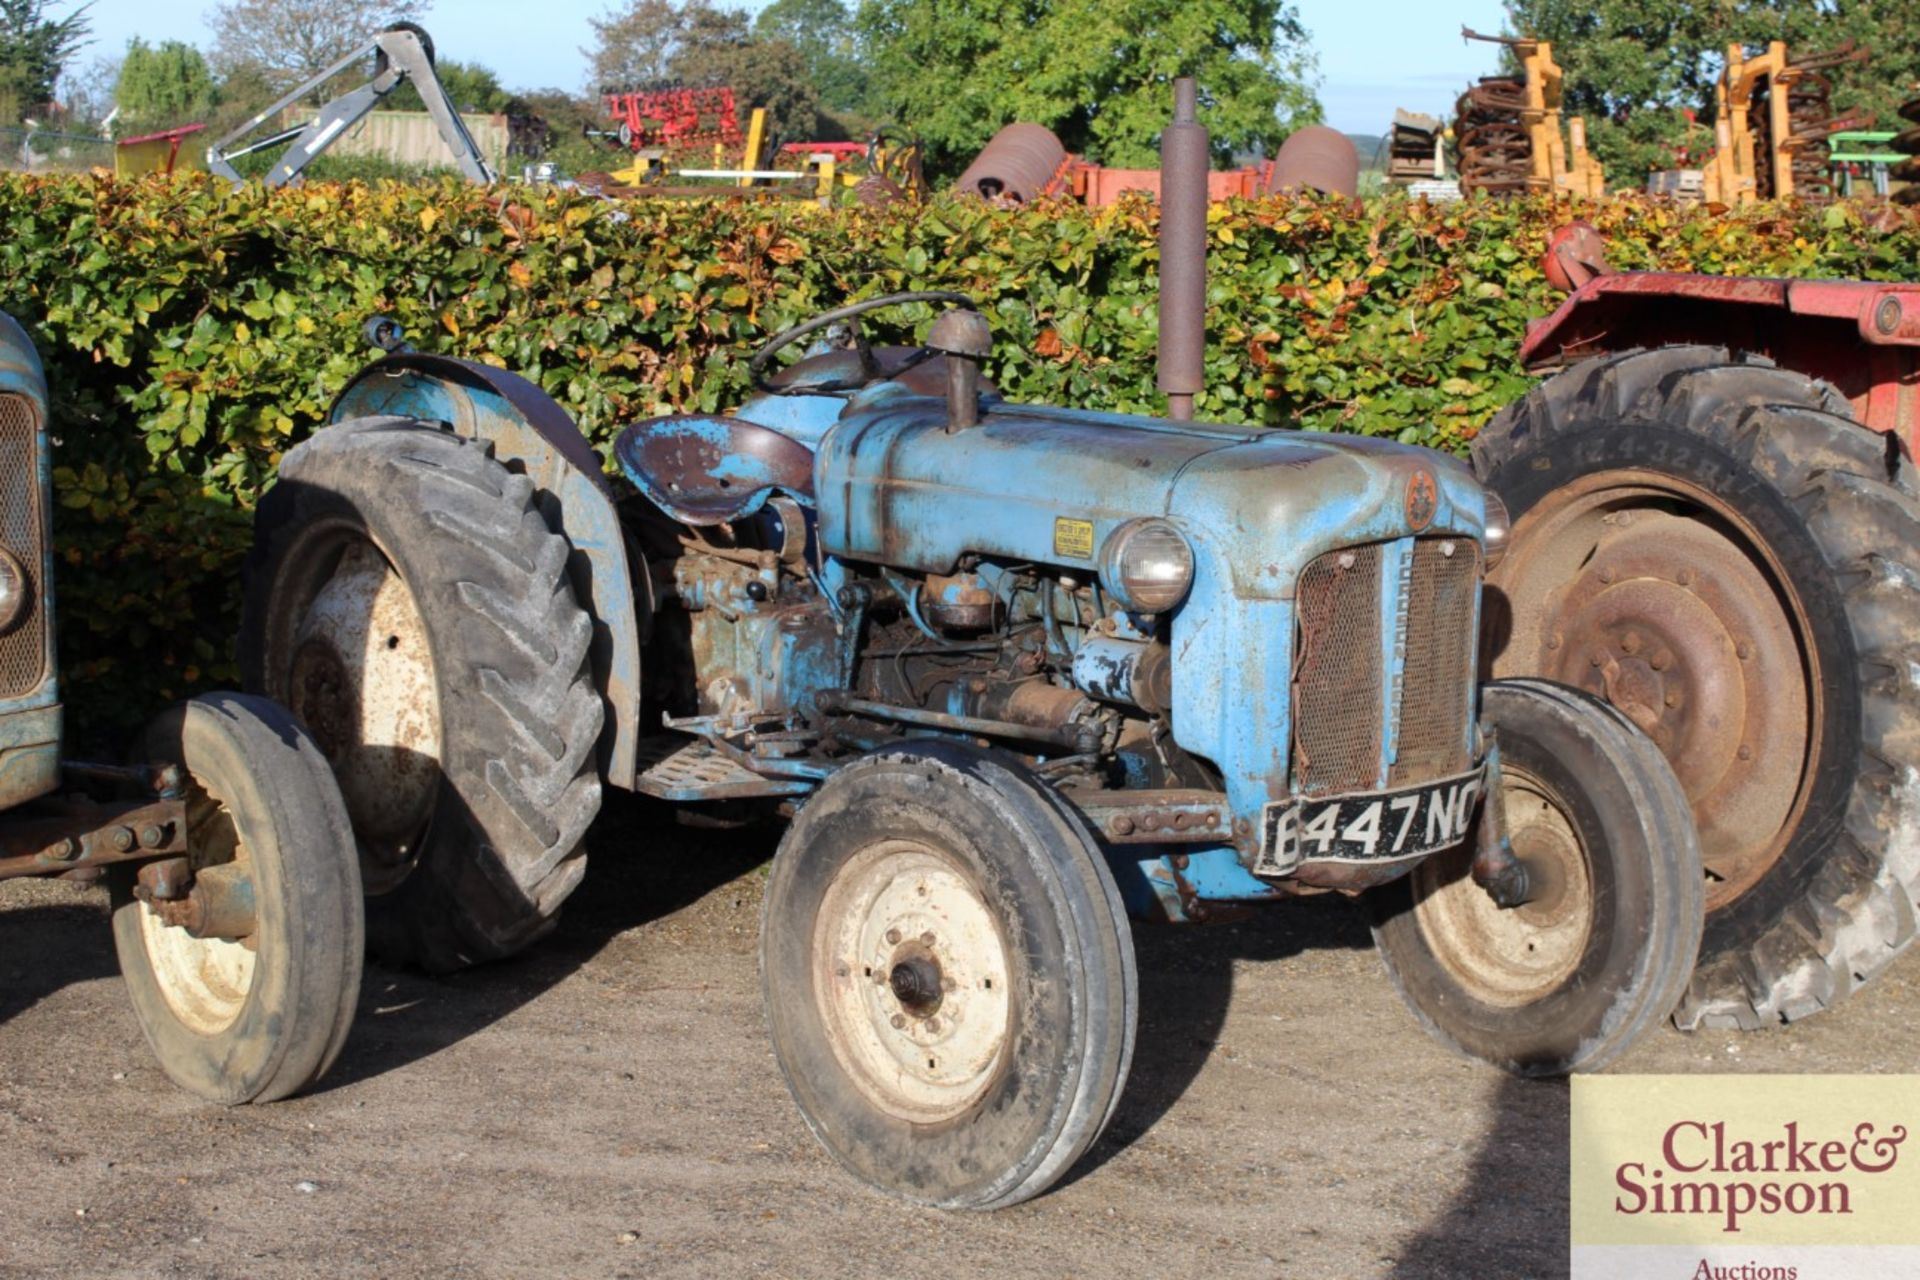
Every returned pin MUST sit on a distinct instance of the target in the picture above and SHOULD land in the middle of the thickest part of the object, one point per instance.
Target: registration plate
(1373, 826)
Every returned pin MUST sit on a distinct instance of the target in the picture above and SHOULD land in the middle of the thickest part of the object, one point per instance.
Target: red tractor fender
(1861, 336)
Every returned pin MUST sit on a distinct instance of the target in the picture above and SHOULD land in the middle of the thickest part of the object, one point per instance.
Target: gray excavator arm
(402, 52)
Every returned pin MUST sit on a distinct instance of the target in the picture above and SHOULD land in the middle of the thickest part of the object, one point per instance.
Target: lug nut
(1630, 642)
(1673, 699)
(899, 1020)
(933, 1024)
(1744, 650)
(893, 937)
(926, 939)
(1661, 660)
(1607, 574)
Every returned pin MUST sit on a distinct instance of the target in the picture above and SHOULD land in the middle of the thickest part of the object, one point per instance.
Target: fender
(1861, 336)
(526, 426)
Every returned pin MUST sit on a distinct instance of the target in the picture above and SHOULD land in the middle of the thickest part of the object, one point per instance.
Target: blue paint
(1396, 562)
(31, 723)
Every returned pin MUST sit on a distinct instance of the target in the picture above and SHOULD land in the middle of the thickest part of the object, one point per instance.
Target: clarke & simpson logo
(1744, 1177)
(1702, 1172)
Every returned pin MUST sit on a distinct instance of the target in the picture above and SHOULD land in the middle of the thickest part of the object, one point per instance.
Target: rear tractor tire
(949, 976)
(407, 599)
(1715, 546)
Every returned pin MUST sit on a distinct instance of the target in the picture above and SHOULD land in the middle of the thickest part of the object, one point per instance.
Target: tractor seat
(705, 469)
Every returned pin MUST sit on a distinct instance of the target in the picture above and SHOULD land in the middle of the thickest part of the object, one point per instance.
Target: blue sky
(1374, 54)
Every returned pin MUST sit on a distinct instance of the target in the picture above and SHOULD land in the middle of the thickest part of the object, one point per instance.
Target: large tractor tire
(1716, 547)
(409, 602)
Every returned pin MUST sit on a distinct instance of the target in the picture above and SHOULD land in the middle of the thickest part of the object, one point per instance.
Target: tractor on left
(236, 900)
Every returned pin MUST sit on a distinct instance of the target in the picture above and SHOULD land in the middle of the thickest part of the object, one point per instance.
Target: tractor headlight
(1147, 565)
(1499, 529)
(13, 591)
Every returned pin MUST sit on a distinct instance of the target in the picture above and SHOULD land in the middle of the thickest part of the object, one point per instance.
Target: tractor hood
(20, 371)
(1046, 485)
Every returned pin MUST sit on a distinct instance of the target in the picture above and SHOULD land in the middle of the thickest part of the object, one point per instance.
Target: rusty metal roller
(1317, 158)
(1016, 165)
(1908, 141)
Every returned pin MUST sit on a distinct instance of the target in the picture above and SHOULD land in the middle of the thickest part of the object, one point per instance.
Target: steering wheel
(869, 369)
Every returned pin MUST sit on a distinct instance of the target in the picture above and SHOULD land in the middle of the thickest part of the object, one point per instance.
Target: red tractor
(1716, 527)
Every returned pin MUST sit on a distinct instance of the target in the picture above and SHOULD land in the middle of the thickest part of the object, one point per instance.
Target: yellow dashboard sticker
(1073, 539)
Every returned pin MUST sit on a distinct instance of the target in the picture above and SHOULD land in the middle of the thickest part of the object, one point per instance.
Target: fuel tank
(895, 486)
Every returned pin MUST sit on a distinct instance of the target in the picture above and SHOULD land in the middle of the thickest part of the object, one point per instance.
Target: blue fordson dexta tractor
(1011, 669)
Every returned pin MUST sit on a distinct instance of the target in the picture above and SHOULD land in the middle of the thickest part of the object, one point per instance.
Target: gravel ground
(608, 1106)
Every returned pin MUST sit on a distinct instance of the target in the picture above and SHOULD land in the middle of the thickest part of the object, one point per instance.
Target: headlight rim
(16, 591)
(1112, 577)
(1498, 536)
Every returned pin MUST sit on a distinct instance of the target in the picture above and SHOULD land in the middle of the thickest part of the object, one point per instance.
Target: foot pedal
(682, 770)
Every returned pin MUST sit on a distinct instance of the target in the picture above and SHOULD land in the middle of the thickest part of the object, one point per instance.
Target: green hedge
(192, 333)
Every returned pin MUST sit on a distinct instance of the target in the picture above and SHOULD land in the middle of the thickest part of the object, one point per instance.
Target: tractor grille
(23, 650)
(1440, 661)
(1337, 673)
(1341, 696)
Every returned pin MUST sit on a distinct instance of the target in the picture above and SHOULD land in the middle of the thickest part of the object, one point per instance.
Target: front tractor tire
(1602, 946)
(1715, 546)
(949, 976)
(257, 1008)
(408, 600)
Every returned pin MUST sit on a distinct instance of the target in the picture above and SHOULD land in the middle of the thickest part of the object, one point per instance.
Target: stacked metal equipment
(1493, 149)
(1507, 135)
(1413, 147)
(1908, 143)
(1775, 117)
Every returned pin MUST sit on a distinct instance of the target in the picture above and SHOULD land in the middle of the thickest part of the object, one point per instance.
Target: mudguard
(528, 428)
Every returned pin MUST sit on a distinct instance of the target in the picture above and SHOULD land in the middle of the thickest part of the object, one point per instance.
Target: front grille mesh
(1339, 673)
(1440, 660)
(1336, 674)
(23, 650)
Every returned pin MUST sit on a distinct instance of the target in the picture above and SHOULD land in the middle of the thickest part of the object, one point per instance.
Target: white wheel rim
(362, 680)
(205, 981)
(901, 905)
(1508, 957)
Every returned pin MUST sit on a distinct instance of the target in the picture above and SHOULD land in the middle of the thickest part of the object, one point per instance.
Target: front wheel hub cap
(914, 981)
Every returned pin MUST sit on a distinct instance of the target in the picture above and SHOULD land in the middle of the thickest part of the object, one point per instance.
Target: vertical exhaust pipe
(1186, 156)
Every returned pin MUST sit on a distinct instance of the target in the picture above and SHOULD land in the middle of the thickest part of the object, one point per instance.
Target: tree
(1635, 67)
(161, 86)
(824, 33)
(470, 87)
(1096, 72)
(35, 48)
(697, 43)
(284, 42)
(634, 45)
(718, 48)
